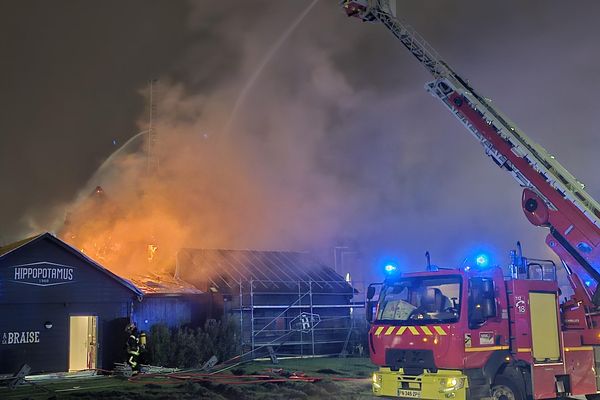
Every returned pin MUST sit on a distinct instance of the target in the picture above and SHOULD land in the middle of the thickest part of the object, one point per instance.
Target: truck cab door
(545, 342)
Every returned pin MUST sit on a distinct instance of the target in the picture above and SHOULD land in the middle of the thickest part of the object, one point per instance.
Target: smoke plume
(336, 143)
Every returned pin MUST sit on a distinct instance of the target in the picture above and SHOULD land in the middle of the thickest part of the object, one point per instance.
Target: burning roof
(147, 283)
(163, 283)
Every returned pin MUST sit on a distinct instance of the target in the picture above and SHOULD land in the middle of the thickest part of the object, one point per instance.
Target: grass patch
(328, 371)
(159, 388)
(238, 371)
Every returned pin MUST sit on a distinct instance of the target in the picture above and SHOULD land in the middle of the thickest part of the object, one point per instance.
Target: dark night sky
(396, 174)
(71, 72)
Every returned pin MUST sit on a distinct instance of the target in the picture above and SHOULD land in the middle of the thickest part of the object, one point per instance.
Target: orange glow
(152, 251)
(125, 237)
(255, 186)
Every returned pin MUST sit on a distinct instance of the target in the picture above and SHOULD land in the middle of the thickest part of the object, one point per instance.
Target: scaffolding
(305, 318)
(286, 302)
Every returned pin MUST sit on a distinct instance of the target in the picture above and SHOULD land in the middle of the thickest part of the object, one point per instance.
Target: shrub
(186, 349)
(189, 348)
(221, 339)
(159, 345)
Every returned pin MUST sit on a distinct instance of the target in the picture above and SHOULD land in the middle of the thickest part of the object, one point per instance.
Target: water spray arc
(94, 178)
(151, 145)
(239, 102)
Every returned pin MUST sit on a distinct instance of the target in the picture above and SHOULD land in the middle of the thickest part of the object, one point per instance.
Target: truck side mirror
(370, 292)
(369, 310)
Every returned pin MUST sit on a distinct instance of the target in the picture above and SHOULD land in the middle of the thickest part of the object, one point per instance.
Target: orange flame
(125, 237)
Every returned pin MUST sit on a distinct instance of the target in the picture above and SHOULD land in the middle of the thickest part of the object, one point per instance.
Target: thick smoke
(246, 180)
(337, 143)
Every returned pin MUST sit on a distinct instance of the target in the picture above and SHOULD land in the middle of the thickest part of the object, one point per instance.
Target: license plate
(411, 394)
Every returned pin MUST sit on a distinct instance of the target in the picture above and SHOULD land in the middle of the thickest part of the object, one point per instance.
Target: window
(421, 300)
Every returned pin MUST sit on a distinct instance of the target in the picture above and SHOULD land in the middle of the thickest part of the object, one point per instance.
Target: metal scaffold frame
(305, 318)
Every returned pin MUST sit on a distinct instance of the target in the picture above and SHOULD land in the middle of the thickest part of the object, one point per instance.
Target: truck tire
(505, 389)
(592, 396)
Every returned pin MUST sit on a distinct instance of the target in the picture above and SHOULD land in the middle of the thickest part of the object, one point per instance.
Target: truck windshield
(421, 300)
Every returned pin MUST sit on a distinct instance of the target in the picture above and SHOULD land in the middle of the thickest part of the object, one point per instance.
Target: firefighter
(133, 346)
(143, 344)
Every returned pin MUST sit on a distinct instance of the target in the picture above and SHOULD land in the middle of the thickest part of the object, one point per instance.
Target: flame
(152, 251)
(125, 237)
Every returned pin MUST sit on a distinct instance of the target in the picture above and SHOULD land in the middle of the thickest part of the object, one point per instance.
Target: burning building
(171, 301)
(63, 307)
(62, 311)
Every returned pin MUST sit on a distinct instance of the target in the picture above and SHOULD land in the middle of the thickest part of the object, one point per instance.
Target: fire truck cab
(475, 333)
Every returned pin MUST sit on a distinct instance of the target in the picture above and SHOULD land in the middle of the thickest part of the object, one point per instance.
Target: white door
(82, 342)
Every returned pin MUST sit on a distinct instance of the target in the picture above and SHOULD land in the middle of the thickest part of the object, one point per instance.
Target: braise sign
(42, 274)
(25, 337)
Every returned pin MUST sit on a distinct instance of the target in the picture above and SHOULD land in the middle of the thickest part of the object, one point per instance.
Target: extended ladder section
(573, 215)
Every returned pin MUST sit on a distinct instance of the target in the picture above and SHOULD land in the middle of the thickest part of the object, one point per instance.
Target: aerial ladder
(552, 197)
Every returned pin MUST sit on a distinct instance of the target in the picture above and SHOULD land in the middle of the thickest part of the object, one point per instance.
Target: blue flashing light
(482, 260)
(588, 283)
(390, 268)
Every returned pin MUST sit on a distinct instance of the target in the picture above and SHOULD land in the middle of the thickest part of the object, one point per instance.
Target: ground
(342, 378)
(339, 378)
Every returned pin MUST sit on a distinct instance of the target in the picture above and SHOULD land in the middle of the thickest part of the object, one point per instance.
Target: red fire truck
(474, 333)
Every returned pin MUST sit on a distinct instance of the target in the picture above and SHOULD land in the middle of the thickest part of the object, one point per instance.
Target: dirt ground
(340, 378)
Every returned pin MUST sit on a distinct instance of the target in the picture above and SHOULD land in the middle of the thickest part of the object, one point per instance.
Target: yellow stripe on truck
(413, 330)
(401, 331)
(488, 348)
(427, 331)
(440, 330)
(581, 348)
(388, 330)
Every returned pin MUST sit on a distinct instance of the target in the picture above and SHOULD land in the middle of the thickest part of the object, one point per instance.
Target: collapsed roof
(163, 284)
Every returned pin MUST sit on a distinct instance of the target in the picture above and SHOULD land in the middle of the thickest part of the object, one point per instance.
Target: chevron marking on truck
(413, 330)
(427, 331)
(440, 330)
(424, 330)
(401, 330)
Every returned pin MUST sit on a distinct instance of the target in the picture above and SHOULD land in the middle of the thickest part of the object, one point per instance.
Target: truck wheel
(504, 389)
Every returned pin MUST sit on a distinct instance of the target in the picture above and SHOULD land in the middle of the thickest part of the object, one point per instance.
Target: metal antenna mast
(152, 162)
